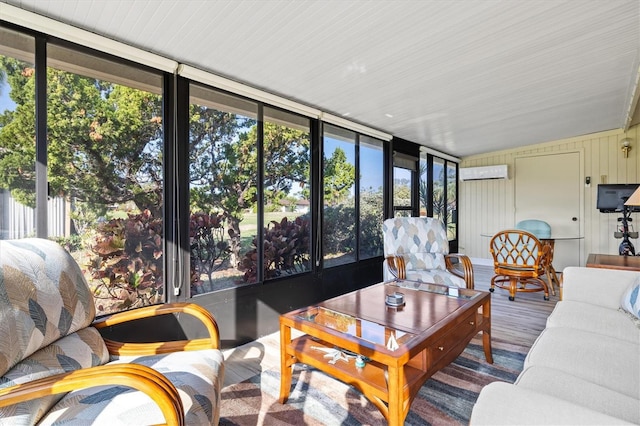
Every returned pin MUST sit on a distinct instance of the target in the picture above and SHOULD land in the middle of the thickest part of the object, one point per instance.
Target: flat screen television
(611, 197)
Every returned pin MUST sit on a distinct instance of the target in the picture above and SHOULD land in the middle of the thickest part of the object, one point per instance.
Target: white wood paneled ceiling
(462, 77)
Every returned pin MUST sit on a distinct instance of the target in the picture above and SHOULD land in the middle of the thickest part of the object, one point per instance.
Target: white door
(548, 187)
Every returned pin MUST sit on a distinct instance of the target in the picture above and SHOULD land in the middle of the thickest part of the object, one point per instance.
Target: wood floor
(520, 321)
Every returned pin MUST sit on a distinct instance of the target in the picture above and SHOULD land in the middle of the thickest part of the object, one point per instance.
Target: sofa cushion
(603, 360)
(559, 384)
(198, 376)
(82, 349)
(595, 319)
(501, 403)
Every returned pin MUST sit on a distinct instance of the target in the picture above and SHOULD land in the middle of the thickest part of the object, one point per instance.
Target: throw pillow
(630, 302)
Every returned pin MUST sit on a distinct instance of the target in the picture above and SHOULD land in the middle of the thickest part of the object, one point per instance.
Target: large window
(339, 180)
(404, 184)
(452, 201)
(438, 192)
(95, 183)
(371, 164)
(234, 191)
(17, 136)
(104, 162)
(287, 194)
(223, 173)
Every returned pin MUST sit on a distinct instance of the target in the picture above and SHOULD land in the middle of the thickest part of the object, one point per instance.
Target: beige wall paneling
(487, 206)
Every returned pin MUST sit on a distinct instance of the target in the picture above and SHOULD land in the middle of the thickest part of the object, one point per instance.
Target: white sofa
(584, 368)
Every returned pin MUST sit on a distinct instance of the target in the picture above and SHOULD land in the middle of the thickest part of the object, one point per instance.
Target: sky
(5, 101)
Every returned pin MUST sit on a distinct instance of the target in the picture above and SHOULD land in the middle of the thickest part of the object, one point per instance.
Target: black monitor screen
(611, 197)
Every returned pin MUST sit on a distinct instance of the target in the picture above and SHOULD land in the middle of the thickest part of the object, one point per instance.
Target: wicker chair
(417, 249)
(518, 259)
(542, 231)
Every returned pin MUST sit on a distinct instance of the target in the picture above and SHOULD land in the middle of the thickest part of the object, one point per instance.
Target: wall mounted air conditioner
(486, 172)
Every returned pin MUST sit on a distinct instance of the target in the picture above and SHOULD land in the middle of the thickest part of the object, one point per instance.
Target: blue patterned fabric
(196, 374)
(46, 311)
(631, 300)
(422, 242)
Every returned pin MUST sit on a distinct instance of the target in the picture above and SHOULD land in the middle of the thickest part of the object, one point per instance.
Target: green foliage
(338, 230)
(209, 248)
(339, 177)
(286, 250)
(104, 141)
(72, 243)
(17, 133)
(126, 262)
(224, 167)
(371, 217)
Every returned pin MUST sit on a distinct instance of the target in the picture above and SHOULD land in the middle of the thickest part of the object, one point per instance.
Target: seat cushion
(502, 403)
(595, 319)
(599, 359)
(82, 349)
(437, 276)
(198, 376)
(559, 384)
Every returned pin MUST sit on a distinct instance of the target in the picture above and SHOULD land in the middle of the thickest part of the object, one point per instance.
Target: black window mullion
(260, 194)
(42, 185)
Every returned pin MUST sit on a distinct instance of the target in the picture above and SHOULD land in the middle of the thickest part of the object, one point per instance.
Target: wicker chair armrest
(126, 349)
(135, 376)
(467, 268)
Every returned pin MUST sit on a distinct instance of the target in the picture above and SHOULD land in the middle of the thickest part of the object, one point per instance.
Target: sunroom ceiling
(462, 77)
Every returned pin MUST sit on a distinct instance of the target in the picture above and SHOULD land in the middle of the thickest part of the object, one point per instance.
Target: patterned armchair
(56, 367)
(417, 249)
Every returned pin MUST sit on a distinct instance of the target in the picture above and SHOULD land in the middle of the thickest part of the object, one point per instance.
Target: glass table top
(356, 327)
(457, 292)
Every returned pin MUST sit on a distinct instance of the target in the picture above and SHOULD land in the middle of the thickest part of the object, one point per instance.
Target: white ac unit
(499, 171)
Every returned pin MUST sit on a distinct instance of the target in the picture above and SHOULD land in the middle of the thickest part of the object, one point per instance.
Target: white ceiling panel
(462, 77)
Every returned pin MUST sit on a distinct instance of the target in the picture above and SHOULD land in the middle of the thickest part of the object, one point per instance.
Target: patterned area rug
(447, 398)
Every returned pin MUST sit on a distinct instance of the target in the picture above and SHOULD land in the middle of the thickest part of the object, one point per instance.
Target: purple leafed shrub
(286, 250)
(126, 262)
(209, 248)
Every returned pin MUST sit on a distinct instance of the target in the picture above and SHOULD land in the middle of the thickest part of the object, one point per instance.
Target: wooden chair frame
(398, 269)
(136, 376)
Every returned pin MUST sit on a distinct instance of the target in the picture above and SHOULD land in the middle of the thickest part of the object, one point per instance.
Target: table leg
(486, 331)
(396, 382)
(285, 364)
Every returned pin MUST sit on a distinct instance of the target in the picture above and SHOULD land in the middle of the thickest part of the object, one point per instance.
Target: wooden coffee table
(431, 330)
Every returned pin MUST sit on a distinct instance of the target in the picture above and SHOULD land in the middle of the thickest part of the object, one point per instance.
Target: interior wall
(488, 205)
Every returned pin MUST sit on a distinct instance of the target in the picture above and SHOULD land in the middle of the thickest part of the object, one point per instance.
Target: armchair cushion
(82, 349)
(55, 366)
(196, 374)
(423, 246)
(437, 276)
(422, 261)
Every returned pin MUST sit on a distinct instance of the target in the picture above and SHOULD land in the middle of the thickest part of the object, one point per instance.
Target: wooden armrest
(135, 376)
(467, 268)
(125, 349)
(397, 267)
